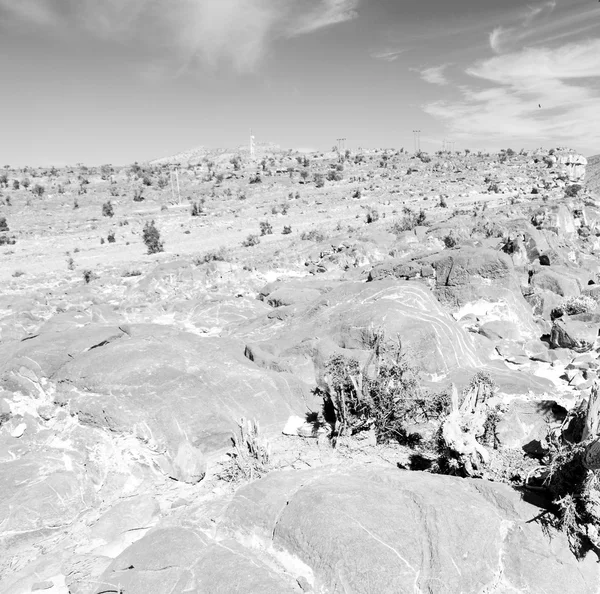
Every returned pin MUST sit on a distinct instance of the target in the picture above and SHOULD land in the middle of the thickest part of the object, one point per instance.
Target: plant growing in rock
(151, 238)
(107, 209)
(574, 305)
(250, 457)
(384, 394)
(571, 477)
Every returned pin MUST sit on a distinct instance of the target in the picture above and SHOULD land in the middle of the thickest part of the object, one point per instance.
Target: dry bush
(251, 455)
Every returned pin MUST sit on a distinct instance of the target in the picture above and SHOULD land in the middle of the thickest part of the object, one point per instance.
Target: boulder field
(164, 425)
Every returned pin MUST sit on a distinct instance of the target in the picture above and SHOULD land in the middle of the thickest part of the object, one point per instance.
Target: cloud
(387, 55)
(502, 101)
(239, 32)
(434, 75)
(546, 22)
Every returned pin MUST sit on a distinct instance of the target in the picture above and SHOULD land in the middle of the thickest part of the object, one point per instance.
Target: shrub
(372, 215)
(137, 195)
(319, 180)
(251, 455)
(89, 276)
(334, 175)
(162, 182)
(574, 305)
(256, 179)
(146, 180)
(25, 182)
(384, 393)
(198, 207)
(450, 240)
(443, 203)
(18, 273)
(357, 194)
(6, 240)
(151, 238)
(265, 228)
(75, 204)
(107, 209)
(130, 273)
(38, 190)
(287, 229)
(251, 240)
(111, 237)
(220, 255)
(572, 190)
(313, 235)
(16, 184)
(304, 174)
(409, 221)
(3, 225)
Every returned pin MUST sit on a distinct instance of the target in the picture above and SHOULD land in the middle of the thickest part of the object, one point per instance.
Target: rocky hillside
(369, 372)
(593, 173)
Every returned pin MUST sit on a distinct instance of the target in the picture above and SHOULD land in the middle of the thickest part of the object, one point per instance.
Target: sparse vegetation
(38, 190)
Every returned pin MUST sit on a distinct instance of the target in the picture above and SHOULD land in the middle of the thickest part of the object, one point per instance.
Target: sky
(118, 81)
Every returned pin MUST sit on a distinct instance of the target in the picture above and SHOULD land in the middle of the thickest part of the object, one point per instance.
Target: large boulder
(160, 384)
(571, 165)
(384, 530)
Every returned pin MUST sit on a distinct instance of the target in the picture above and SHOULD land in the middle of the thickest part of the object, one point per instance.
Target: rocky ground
(125, 374)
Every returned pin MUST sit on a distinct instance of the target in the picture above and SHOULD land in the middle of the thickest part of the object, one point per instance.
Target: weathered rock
(525, 424)
(578, 332)
(383, 530)
(189, 464)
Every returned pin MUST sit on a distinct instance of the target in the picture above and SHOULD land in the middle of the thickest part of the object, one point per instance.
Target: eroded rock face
(572, 165)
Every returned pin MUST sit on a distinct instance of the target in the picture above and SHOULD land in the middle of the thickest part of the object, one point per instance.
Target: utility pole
(341, 142)
(417, 135)
(175, 174)
(252, 148)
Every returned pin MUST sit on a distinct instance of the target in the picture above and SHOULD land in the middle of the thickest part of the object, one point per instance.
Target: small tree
(151, 237)
(107, 209)
(38, 190)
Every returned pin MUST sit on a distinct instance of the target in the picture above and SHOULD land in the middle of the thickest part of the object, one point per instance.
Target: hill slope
(592, 175)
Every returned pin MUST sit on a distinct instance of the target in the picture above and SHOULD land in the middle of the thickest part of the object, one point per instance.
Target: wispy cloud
(387, 55)
(562, 80)
(434, 75)
(239, 32)
(545, 22)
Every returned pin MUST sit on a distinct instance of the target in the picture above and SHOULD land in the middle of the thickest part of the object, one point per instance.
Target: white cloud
(388, 55)
(565, 81)
(236, 31)
(435, 75)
